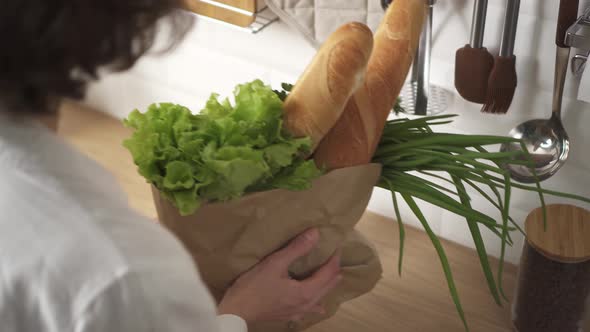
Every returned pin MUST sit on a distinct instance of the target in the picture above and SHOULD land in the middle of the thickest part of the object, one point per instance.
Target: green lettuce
(222, 153)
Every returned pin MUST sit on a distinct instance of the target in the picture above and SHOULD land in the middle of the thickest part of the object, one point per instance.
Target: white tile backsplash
(215, 57)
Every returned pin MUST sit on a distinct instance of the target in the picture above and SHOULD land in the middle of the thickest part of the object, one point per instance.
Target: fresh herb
(223, 152)
(286, 89)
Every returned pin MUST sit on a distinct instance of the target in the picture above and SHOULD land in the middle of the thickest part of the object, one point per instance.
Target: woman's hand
(266, 293)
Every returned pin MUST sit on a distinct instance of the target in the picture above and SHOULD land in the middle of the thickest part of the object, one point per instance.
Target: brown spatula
(473, 63)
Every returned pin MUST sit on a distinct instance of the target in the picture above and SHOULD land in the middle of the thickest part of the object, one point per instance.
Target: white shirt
(73, 255)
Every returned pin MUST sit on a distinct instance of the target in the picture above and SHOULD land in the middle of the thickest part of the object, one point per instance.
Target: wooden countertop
(417, 301)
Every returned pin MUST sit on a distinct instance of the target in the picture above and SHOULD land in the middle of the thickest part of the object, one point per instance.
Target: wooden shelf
(250, 15)
(249, 5)
(223, 14)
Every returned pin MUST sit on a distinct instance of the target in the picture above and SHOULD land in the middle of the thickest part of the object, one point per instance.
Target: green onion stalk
(414, 156)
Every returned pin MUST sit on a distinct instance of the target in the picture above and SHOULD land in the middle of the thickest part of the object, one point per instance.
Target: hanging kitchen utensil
(418, 96)
(502, 81)
(553, 290)
(473, 62)
(546, 140)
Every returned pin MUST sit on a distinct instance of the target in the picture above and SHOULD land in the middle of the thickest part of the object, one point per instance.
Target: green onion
(402, 230)
(441, 253)
(479, 244)
(410, 146)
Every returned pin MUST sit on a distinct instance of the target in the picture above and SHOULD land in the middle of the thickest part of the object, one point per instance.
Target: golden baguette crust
(320, 94)
(355, 137)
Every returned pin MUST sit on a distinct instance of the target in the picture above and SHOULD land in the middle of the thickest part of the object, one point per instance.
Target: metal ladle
(546, 140)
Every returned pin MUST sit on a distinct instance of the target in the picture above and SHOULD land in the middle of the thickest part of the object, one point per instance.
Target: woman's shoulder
(68, 229)
(56, 251)
(68, 237)
(55, 198)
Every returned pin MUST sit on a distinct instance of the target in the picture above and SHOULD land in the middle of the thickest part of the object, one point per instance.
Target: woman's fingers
(298, 247)
(265, 293)
(326, 289)
(315, 288)
(311, 291)
(324, 275)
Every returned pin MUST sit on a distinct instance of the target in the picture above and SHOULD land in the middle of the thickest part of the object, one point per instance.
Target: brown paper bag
(227, 239)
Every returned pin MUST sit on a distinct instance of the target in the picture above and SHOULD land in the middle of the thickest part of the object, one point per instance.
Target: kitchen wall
(215, 57)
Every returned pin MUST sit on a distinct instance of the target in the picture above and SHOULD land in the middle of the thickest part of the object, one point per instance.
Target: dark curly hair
(52, 48)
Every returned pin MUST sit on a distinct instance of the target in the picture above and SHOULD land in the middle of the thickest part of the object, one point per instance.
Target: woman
(73, 256)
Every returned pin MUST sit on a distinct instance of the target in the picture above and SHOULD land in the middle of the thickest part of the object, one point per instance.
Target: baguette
(354, 138)
(321, 93)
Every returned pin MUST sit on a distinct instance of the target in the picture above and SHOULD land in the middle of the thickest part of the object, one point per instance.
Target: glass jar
(553, 288)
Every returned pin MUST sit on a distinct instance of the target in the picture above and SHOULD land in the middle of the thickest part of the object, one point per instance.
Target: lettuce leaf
(221, 153)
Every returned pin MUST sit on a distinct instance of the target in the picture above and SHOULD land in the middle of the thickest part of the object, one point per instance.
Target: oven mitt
(317, 19)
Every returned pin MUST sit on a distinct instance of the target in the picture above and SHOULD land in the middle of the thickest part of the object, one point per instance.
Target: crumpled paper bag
(227, 239)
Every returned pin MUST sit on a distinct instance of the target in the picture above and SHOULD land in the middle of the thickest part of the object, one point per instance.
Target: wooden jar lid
(567, 238)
